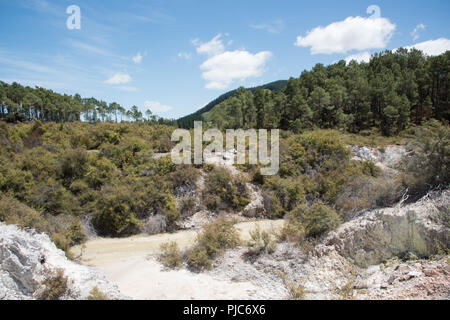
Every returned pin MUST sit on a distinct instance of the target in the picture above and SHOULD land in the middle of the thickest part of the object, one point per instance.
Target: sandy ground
(130, 263)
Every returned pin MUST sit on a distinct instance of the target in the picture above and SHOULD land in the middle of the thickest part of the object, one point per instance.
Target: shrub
(170, 255)
(17, 181)
(198, 259)
(55, 286)
(295, 292)
(260, 242)
(14, 212)
(33, 139)
(184, 175)
(164, 166)
(114, 215)
(74, 164)
(218, 236)
(316, 219)
(222, 190)
(100, 171)
(272, 205)
(289, 192)
(212, 241)
(370, 169)
(431, 164)
(188, 205)
(170, 209)
(53, 198)
(96, 294)
(311, 150)
(292, 231)
(61, 242)
(75, 234)
(364, 192)
(155, 224)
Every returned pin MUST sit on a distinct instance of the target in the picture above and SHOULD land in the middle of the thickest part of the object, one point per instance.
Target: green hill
(187, 122)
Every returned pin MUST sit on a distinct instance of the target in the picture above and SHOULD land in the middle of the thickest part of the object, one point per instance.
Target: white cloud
(432, 47)
(211, 48)
(137, 58)
(359, 57)
(184, 55)
(273, 27)
(222, 69)
(415, 32)
(119, 78)
(353, 33)
(156, 106)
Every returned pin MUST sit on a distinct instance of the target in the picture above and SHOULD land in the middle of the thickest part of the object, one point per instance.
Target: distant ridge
(187, 122)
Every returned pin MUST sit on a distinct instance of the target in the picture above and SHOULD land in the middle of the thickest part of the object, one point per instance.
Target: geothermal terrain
(376, 254)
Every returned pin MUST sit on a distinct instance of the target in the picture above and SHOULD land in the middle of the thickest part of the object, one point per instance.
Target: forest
(392, 91)
(188, 121)
(19, 103)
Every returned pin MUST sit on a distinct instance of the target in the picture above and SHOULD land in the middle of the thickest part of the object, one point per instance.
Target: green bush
(61, 242)
(260, 242)
(75, 234)
(184, 175)
(100, 171)
(96, 294)
(223, 190)
(74, 164)
(430, 165)
(170, 209)
(188, 206)
(316, 219)
(370, 169)
(199, 259)
(170, 255)
(46, 166)
(17, 181)
(55, 286)
(114, 215)
(14, 212)
(53, 198)
(212, 241)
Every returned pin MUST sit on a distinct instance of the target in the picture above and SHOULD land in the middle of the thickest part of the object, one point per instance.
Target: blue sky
(175, 56)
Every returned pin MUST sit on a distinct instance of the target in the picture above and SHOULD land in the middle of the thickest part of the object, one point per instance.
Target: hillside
(387, 95)
(187, 122)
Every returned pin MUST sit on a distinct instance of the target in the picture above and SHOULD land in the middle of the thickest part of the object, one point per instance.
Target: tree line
(19, 103)
(188, 121)
(392, 91)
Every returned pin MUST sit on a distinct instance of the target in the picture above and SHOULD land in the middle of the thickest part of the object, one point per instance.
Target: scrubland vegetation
(56, 170)
(52, 175)
(213, 240)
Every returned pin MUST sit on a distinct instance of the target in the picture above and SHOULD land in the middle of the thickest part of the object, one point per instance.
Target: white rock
(27, 257)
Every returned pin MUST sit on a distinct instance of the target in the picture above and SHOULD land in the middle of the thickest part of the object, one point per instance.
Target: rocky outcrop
(28, 257)
(387, 159)
(256, 206)
(375, 256)
(381, 234)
